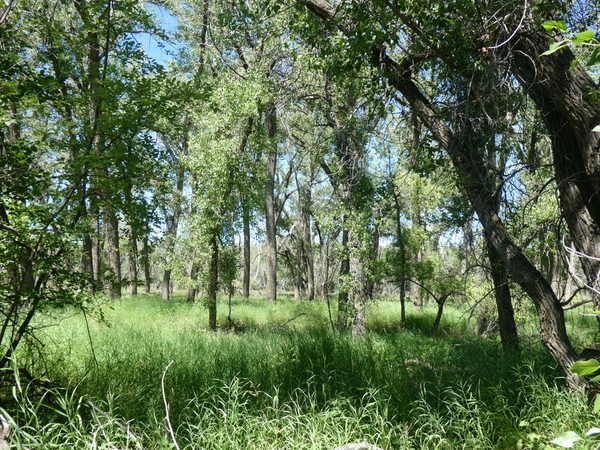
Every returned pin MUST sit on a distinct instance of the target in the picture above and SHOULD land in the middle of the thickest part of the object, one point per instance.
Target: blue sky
(149, 42)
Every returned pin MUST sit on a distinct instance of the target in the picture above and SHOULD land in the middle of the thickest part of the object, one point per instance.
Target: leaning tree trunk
(564, 97)
(469, 164)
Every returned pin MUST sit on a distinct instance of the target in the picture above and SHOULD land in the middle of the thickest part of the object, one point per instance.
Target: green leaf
(597, 129)
(594, 57)
(593, 432)
(566, 439)
(583, 37)
(597, 403)
(554, 47)
(595, 379)
(583, 368)
(555, 24)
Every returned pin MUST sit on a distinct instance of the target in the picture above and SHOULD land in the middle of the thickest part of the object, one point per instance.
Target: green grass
(275, 383)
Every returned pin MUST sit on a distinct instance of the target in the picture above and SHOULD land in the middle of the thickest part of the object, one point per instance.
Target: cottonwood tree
(220, 160)
(345, 164)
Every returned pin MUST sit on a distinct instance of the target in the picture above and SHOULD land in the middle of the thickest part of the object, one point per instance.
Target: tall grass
(282, 378)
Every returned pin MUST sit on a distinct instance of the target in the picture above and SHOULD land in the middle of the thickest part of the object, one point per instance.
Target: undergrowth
(281, 378)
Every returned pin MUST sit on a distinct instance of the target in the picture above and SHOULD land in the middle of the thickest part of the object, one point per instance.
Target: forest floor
(146, 374)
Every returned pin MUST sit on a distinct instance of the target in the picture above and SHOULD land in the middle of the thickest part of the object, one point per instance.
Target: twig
(168, 420)
(516, 29)
(572, 270)
(125, 427)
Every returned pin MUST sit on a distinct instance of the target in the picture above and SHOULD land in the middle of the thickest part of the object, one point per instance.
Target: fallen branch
(168, 420)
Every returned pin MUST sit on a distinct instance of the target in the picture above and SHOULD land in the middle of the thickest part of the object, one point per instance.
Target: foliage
(581, 39)
(592, 436)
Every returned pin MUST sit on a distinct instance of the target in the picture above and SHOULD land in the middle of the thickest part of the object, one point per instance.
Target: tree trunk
(417, 224)
(270, 227)
(146, 260)
(96, 241)
(506, 316)
(271, 215)
(359, 291)
(342, 318)
(472, 178)
(213, 280)
(166, 285)
(438, 317)
(373, 259)
(246, 265)
(400, 244)
(111, 223)
(307, 241)
(352, 188)
(192, 288)
(133, 261)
